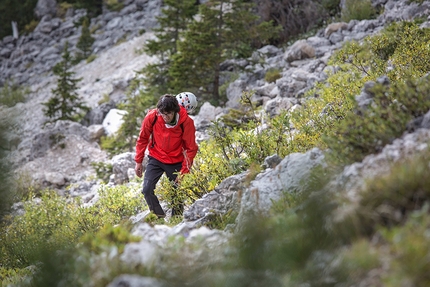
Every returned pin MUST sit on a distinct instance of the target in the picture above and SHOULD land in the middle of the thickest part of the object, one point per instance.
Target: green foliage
(111, 145)
(108, 236)
(52, 223)
(363, 133)
(154, 77)
(62, 9)
(409, 243)
(31, 26)
(330, 118)
(208, 170)
(103, 170)
(246, 142)
(9, 9)
(91, 58)
(332, 6)
(272, 75)
(400, 51)
(85, 40)
(114, 5)
(5, 190)
(13, 276)
(388, 200)
(356, 261)
(41, 228)
(358, 10)
(221, 221)
(66, 103)
(11, 94)
(223, 31)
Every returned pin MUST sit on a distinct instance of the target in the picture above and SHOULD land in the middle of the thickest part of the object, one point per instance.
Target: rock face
(45, 7)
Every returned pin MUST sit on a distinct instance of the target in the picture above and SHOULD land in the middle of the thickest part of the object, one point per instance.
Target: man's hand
(138, 169)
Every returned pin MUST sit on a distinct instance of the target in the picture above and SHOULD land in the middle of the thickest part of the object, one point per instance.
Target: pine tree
(174, 20)
(226, 29)
(66, 103)
(86, 41)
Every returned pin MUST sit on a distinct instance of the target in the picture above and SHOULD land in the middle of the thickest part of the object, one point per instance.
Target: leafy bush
(332, 6)
(331, 103)
(114, 5)
(365, 132)
(103, 170)
(109, 236)
(388, 200)
(329, 119)
(358, 10)
(409, 243)
(53, 222)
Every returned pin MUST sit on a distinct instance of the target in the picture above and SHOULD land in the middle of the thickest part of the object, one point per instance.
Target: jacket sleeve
(144, 135)
(189, 145)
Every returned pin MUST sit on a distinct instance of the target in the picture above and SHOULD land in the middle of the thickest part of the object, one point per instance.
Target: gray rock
(299, 50)
(45, 7)
(129, 280)
(291, 175)
(120, 165)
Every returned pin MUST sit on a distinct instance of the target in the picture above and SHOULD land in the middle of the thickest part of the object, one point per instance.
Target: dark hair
(168, 104)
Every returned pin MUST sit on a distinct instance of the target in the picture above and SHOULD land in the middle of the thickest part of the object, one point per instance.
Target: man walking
(169, 135)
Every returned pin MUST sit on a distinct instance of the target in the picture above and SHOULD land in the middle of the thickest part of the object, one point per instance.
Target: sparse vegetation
(66, 104)
(11, 94)
(272, 75)
(358, 10)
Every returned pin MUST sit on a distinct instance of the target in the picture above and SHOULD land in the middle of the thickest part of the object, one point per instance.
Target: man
(169, 134)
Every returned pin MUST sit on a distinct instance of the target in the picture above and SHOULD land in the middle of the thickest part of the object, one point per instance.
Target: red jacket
(168, 145)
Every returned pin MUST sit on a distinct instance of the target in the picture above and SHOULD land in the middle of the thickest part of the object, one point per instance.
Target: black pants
(154, 170)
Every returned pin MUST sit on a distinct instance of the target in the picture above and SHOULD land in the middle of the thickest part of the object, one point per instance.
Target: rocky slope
(61, 154)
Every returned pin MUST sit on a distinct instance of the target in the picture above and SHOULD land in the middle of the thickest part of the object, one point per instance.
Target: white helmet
(187, 100)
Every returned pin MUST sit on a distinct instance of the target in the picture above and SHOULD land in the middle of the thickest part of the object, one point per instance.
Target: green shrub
(103, 170)
(114, 5)
(356, 261)
(358, 10)
(332, 6)
(109, 235)
(327, 118)
(14, 277)
(220, 221)
(52, 222)
(332, 102)
(11, 94)
(365, 132)
(409, 248)
(272, 75)
(388, 200)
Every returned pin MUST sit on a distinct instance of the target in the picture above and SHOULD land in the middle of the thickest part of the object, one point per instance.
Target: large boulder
(291, 175)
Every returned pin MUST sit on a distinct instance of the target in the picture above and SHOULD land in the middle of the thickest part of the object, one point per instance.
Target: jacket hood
(183, 115)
